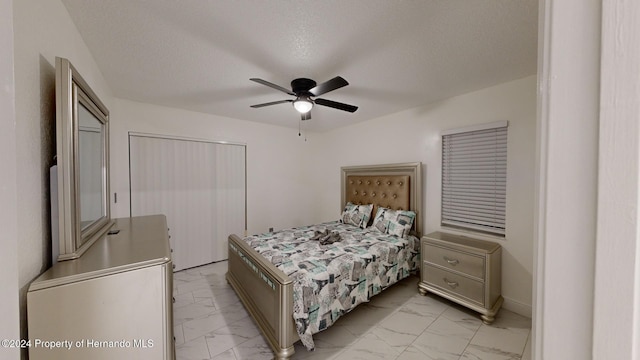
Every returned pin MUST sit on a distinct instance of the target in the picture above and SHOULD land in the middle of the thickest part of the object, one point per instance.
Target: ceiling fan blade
(305, 116)
(336, 105)
(272, 85)
(335, 83)
(271, 103)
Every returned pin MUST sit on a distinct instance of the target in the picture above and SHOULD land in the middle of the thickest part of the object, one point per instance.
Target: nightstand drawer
(454, 260)
(469, 289)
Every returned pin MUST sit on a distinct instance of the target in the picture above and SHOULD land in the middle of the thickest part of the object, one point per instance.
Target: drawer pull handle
(453, 284)
(452, 262)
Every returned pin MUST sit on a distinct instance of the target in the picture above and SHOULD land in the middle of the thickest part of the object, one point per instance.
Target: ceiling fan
(305, 90)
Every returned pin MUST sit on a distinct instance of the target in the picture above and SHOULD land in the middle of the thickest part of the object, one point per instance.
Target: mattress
(330, 280)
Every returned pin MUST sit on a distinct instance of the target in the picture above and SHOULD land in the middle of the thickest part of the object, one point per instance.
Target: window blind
(474, 179)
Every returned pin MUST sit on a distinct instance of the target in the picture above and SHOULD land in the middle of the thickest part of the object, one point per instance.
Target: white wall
(9, 305)
(417, 138)
(42, 31)
(277, 181)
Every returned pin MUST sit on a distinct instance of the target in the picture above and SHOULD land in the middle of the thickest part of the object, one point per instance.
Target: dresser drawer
(454, 260)
(461, 286)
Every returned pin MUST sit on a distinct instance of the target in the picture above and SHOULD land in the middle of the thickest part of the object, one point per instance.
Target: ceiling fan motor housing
(302, 86)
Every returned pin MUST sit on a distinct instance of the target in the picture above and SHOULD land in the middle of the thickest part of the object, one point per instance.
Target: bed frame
(267, 292)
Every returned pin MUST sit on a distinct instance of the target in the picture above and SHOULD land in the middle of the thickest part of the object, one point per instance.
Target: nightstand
(463, 270)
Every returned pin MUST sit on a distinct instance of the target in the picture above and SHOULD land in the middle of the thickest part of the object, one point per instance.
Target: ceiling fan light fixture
(303, 104)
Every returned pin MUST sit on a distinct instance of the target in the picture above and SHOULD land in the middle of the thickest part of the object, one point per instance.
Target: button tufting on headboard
(391, 191)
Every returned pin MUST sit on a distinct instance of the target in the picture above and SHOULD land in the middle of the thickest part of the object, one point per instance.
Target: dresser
(113, 302)
(463, 270)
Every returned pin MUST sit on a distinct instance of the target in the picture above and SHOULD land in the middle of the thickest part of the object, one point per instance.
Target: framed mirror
(82, 130)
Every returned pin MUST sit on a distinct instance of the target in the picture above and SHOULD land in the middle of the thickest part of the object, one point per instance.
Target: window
(474, 177)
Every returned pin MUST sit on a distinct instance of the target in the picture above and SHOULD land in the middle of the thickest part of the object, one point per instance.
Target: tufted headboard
(395, 186)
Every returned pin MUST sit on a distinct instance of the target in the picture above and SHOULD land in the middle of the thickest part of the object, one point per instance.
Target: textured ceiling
(200, 54)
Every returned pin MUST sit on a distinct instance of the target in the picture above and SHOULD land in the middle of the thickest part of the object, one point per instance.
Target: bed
(275, 274)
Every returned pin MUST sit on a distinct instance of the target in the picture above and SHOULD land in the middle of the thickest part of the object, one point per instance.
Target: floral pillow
(394, 222)
(357, 215)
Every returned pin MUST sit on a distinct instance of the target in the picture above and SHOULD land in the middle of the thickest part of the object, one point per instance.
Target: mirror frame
(71, 90)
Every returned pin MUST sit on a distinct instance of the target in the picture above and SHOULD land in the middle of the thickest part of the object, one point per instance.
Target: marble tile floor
(210, 322)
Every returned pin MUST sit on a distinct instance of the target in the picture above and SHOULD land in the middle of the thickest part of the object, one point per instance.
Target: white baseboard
(518, 307)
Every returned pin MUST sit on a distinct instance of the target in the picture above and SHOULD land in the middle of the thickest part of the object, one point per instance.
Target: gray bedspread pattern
(330, 280)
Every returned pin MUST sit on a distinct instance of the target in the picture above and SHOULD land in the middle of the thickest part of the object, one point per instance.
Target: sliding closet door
(198, 185)
(230, 195)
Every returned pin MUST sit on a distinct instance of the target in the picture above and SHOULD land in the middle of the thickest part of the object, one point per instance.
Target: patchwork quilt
(330, 280)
